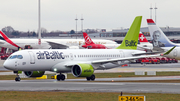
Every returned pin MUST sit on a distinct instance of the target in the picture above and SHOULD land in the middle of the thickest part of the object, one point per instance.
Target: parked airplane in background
(144, 42)
(161, 42)
(159, 39)
(46, 43)
(91, 45)
(81, 62)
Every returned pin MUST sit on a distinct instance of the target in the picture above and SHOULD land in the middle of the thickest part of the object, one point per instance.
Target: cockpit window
(19, 56)
(13, 57)
(16, 56)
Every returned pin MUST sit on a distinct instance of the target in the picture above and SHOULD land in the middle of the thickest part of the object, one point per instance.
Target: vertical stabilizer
(131, 39)
(142, 39)
(5, 38)
(87, 39)
(158, 38)
(144, 43)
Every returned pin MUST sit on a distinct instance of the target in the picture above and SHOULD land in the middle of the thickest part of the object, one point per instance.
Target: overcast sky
(22, 15)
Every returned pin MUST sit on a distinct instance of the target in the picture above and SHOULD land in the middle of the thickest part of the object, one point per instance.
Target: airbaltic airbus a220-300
(81, 63)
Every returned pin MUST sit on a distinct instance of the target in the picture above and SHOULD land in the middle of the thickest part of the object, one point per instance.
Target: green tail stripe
(131, 39)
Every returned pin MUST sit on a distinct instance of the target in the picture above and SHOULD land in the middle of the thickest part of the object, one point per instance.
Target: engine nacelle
(34, 73)
(82, 70)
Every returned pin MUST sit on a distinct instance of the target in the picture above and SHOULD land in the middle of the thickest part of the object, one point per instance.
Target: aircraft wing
(131, 58)
(123, 59)
(70, 64)
(55, 45)
(147, 53)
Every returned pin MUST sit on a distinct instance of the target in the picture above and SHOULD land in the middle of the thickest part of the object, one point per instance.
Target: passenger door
(32, 57)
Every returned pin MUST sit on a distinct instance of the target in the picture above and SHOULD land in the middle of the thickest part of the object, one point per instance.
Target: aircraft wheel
(92, 77)
(62, 77)
(88, 78)
(17, 79)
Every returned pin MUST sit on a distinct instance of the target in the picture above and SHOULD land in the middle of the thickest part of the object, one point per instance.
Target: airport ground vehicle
(156, 60)
(5, 56)
(149, 61)
(5, 53)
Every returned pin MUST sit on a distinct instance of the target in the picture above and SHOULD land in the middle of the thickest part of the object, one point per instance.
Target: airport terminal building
(173, 33)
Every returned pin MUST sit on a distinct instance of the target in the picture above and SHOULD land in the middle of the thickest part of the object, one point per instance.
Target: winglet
(169, 51)
(87, 39)
(131, 39)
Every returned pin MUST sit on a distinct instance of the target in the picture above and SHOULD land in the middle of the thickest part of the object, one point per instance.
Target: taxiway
(53, 85)
(101, 84)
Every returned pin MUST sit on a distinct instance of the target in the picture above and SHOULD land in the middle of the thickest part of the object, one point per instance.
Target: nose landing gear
(17, 78)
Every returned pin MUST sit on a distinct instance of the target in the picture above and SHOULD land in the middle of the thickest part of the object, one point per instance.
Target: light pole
(155, 13)
(151, 11)
(82, 23)
(39, 31)
(76, 26)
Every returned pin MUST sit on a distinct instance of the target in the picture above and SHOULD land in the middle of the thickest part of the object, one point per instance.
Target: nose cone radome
(9, 65)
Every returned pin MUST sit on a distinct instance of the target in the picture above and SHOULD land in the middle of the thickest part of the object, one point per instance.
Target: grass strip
(79, 96)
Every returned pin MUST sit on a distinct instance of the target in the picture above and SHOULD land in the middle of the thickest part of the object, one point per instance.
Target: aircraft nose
(9, 65)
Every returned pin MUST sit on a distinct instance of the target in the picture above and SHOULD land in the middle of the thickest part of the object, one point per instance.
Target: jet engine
(34, 73)
(82, 70)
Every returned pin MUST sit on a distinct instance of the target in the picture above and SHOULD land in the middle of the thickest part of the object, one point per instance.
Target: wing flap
(147, 53)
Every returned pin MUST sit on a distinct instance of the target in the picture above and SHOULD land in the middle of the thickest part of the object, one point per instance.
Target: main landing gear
(92, 77)
(17, 78)
(61, 77)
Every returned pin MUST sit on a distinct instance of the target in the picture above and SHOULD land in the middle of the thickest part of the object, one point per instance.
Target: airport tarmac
(53, 85)
(1, 66)
(101, 84)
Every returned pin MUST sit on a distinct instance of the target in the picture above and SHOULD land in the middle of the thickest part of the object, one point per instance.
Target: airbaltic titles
(50, 55)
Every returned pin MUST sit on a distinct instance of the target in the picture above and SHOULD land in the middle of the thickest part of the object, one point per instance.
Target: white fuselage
(175, 54)
(111, 46)
(139, 46)
(60, 59)
(45, 45)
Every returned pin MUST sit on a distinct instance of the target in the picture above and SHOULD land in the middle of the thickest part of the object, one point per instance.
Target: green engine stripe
(87, 70)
